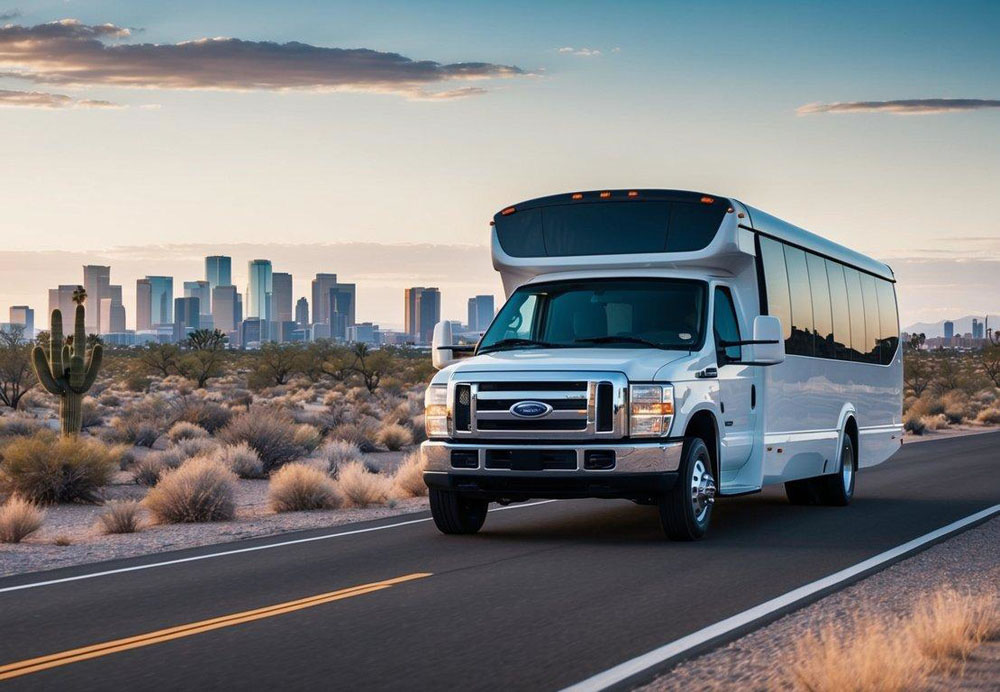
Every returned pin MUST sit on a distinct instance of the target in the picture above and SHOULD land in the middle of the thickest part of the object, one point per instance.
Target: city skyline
(877, 135)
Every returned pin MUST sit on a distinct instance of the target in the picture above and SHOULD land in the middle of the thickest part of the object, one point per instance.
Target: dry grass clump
(19, 426)
(298, 488)
(19, 518)
(183, 430)
(121, 516)
(47, 468)
(135, 429)
(195, 447)
(362, 488)
(91, 414)
(394, 436)
(989, 416)
(951, 624)
(202, 489)
(362, 434)
(408, 481)
(208, 415)
(874, 653)
(308, 437)
(147, 471)
(956, 406)
(914, 422)
(270, 433)
(242, 460)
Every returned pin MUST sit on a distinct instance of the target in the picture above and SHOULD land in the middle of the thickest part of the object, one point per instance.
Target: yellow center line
(33, 665)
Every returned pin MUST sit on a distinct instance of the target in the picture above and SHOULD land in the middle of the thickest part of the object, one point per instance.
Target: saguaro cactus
(68, 370)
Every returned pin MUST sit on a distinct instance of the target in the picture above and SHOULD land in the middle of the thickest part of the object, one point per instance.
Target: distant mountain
(963, 325)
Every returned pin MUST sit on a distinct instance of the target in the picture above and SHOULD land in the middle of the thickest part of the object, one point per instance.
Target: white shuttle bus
(666, 347)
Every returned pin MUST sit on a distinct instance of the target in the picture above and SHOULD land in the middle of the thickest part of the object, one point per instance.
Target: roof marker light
(633, 193)
(707, 200)
(508, 211)
(577, 195)
(605, 195)
(730, 210)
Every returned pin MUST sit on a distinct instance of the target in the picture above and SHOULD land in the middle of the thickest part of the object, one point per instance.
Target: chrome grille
(577, 405)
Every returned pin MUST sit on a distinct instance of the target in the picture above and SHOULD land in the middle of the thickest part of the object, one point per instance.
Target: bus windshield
(601, 313)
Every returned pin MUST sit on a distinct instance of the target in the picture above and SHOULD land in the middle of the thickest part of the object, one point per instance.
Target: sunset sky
(330, 137)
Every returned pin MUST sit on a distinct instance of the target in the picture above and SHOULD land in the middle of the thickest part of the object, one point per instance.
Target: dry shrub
(362, 488)
(394, 436)
(62, 540)
(136, 429)
(205, 414)
(19, 518)
(360, 434)
(308, 437)
(201, 489)
(989, 416)
(914, 422)
(336, 453)
(195, 447)
(298, 487)
(110, 399)
(183, 430)
(121, 516)
(419, 431)
(937, 422)
(48, 468)
(956, 406)
(951, 624)
(242, 460)
(270, 433)
(91, 413)
(408, 481)
(19, 426)
(147, 471)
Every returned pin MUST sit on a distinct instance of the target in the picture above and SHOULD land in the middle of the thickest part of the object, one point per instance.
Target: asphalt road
(544, 596)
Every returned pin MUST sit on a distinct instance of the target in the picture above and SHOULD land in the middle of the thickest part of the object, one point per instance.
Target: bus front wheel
(686, 510)
(455, 514)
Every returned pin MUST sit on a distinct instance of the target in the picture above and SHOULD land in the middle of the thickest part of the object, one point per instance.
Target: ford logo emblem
(530, 409)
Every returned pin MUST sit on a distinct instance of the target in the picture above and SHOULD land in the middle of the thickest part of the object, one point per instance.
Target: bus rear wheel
(686, 510)
(456, 514)
(835, 489)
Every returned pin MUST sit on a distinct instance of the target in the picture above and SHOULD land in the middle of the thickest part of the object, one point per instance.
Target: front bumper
(641, 470)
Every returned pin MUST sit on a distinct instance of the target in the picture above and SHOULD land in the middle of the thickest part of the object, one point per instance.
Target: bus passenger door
(737, 390)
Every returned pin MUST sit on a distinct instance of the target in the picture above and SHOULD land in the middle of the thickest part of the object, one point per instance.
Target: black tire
(455, 514)
(834, 489)
(684, 514)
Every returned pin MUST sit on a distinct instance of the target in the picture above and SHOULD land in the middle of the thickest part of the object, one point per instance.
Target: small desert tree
(276, 364)
(989, 358)
(917, 373)
(160, 359)
(16, 376)
(371, 365)
(205, 352)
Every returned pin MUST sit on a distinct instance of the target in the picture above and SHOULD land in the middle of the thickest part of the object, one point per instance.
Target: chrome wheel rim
(847, 469)
(702, 490)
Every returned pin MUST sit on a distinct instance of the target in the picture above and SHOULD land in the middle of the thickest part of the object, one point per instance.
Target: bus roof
(756, 220)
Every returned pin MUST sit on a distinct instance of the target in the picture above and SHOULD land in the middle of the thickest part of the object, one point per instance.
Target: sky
(375, 140)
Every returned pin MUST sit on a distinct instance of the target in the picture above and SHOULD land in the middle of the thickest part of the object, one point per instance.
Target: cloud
(70, 53)
(41, 99)
(462, 93)
(582, 52)
(9, 14)
(900, 107)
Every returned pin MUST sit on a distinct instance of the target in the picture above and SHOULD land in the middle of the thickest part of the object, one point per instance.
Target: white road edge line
(195, 558)
(624, 671)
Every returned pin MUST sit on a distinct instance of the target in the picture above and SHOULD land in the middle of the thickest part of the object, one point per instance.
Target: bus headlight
(436, 411)
(651, 409)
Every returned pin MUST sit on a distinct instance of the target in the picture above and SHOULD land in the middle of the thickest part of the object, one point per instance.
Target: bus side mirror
(441, 355)
(768, 341)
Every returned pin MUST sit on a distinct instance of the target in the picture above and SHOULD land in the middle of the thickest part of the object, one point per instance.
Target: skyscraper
(480, 313)
(302, 312)
(218, 271)
(202, 291)
(187, 312)
(422, 311)
(321, 286)
(281, 297)
(161, 300)
(143, 305)
(62, 299)
(949, 330)
(96, 280)
(257, 303)
(224, 315)
(112, 311)
(25, 316)
(342, 300)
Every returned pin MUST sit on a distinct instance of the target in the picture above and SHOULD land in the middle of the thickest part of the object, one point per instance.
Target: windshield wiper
(620, 340)
(505, 344)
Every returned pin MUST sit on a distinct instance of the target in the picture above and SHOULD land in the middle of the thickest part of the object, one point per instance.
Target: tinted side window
(857, 303)
(800, 343)
(888, 321)
(841, 311)
(726, 325)
(693, 226)
(772, 257)
(822, 316)
(872, 326)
